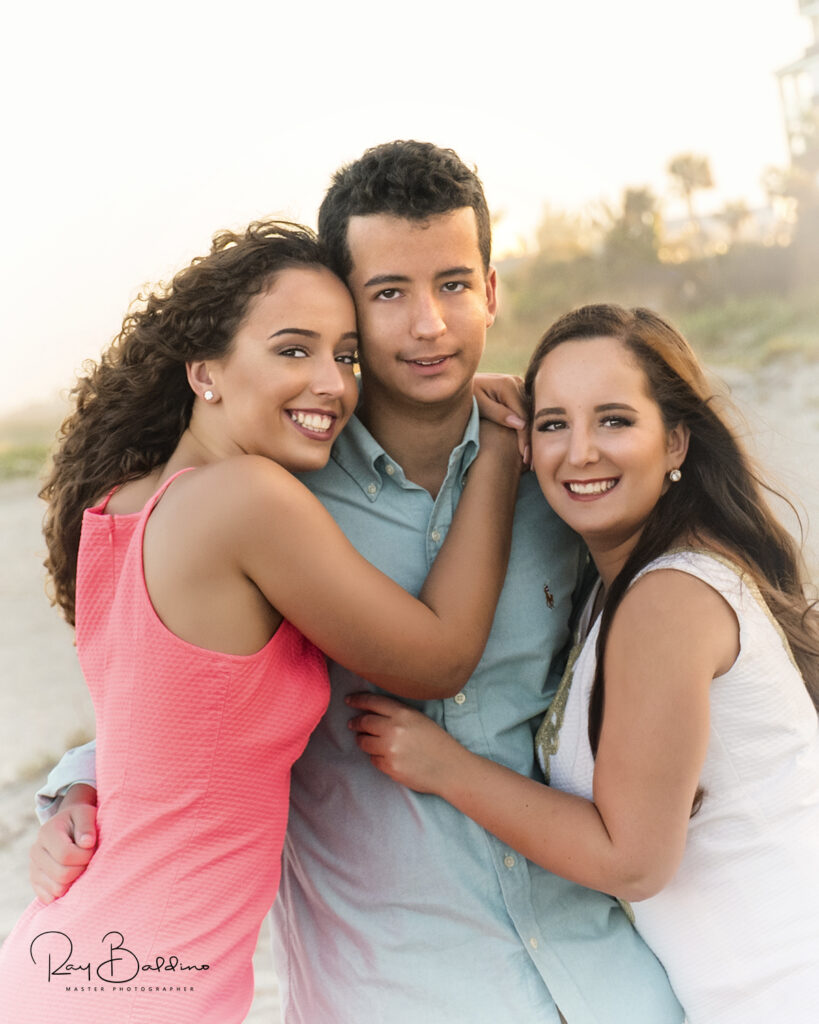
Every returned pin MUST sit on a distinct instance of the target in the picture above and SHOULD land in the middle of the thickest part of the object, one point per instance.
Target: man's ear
(491, 295)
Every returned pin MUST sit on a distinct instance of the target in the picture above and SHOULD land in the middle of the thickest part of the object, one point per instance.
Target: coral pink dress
(193, 765)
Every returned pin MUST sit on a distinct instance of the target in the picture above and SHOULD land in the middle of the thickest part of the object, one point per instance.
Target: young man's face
(423, 303)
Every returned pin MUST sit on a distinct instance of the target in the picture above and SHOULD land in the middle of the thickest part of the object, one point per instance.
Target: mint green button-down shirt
(396, 909)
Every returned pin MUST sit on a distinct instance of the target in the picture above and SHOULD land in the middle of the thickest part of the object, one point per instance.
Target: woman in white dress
(682, 747)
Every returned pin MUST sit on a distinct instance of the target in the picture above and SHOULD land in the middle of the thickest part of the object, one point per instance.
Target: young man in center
(393, 907)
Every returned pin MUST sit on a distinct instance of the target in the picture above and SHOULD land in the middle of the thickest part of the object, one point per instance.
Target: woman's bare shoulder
(240, 485)
(670, 593)
(229, 499)
(674, 611)
(256, 480)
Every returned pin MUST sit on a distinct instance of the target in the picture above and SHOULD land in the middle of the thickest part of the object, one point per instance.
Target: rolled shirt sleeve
(76, 766)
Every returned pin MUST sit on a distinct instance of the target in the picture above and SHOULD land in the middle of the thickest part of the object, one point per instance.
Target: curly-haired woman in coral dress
(205, 581)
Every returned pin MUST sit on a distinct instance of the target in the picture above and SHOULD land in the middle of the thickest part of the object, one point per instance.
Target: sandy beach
(44, 707)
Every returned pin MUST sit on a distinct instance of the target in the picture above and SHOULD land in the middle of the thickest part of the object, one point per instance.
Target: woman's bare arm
(292, 549)
(671, 635)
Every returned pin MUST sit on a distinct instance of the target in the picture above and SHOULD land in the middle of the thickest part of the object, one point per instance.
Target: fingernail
(527, 455)
(515, 421)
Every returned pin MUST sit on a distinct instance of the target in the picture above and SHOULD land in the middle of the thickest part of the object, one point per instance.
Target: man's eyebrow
(455, 272)
(382, 279)
(386, 279)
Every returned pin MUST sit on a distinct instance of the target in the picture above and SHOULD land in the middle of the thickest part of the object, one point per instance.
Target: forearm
(309, 571)
(564, 834)
(466, 579)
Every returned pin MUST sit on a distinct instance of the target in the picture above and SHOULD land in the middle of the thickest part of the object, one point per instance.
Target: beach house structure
(799, 90)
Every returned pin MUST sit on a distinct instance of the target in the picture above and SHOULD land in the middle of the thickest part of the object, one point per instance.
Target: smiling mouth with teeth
(428, 362)
(316, 422)
(590, 486)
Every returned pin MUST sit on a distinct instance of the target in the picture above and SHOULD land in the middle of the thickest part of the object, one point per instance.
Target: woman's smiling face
(287, 387)
(600, 448)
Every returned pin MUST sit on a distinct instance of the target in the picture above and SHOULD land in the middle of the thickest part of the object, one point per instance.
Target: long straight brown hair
(720, 501)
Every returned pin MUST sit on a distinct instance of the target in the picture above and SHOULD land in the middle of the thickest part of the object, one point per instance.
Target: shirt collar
(359, 454)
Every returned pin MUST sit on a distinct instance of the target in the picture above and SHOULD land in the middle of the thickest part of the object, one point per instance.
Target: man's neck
(421, 438)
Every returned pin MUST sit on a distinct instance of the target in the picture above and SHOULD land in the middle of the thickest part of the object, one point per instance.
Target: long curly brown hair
(131, 408)
(720, 501)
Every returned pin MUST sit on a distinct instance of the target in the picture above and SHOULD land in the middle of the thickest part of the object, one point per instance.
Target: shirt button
(533, 942)
(389, 469)
(371, 488)
(509, 860)
(436, 536)
(459, 698)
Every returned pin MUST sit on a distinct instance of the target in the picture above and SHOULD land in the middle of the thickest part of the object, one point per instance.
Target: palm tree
(691, 173)
(733, 216)
(633, 232)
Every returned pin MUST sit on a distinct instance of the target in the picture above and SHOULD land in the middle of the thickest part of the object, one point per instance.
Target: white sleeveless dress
(737, 928)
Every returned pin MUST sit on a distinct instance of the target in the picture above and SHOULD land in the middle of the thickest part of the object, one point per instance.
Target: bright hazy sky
(132, 131)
